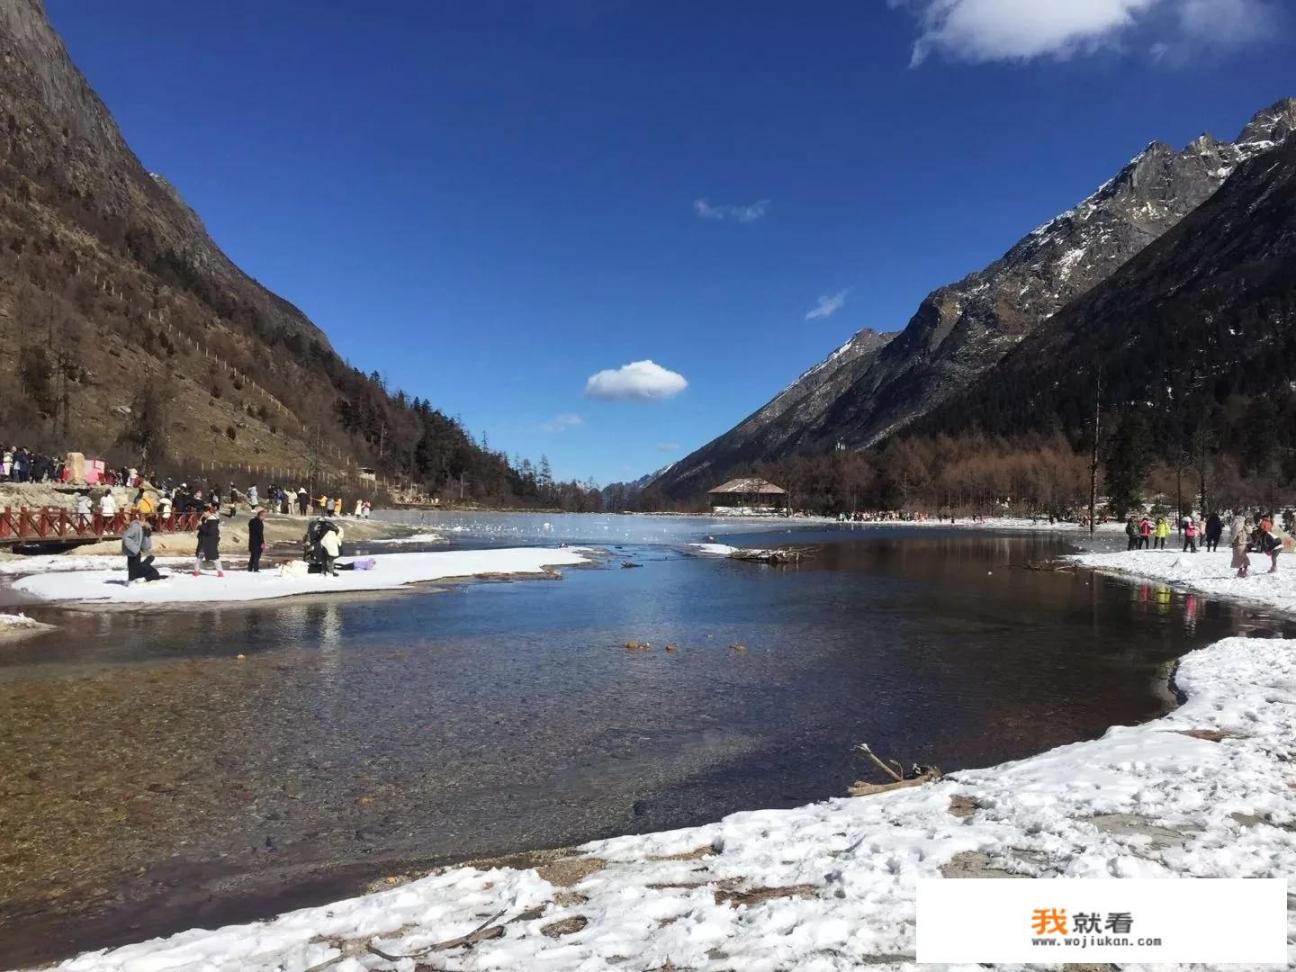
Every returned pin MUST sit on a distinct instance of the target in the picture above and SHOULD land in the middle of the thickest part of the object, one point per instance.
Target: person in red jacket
(1145, 533)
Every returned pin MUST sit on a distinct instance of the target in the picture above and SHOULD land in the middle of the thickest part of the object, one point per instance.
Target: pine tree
(1128, 458)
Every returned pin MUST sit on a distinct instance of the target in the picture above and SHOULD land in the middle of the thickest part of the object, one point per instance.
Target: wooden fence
(56, 523)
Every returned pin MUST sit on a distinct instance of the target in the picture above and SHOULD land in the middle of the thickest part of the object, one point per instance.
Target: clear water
(151, 780)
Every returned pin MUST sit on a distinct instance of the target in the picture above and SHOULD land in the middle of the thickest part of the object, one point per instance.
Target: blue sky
(499, 205)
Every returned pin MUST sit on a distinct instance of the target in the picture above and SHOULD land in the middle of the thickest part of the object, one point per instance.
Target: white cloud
(827, 306)
(1225, 22)
(668, 446)
(1021, 30)
(639, 379)
(739, 214)
(563, 422)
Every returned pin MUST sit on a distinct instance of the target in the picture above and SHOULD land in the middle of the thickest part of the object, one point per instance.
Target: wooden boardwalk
(52, 524)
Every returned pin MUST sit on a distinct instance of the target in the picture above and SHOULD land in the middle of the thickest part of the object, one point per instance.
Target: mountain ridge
(962, 330)
(123, 322)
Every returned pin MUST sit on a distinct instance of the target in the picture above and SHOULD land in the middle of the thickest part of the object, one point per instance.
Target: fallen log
(864, 788)
(776, 555)
(901, 778)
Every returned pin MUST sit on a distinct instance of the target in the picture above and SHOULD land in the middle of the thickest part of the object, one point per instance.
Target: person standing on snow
(331, 545)
(209, 541)
(1189, 534)
(1213, 531)
(1131, 535)
(256, 540)
(1145, 533)
(1238, 541)
(1161, 532)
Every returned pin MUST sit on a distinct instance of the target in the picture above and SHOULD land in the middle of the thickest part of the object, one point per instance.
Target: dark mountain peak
(1272, 124)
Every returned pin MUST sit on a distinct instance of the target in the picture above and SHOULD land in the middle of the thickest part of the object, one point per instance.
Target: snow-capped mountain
(963, 330)
(1198, 333)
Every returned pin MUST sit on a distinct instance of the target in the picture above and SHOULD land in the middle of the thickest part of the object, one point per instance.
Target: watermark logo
(1103, 920)
(1087, 929)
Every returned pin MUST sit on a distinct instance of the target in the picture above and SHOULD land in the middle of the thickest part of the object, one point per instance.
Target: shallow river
(150, 780)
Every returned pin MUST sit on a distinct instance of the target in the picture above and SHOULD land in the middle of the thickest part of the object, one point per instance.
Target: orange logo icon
(1049, 921)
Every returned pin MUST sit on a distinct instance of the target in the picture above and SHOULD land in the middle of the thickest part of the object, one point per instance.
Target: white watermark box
(1225, 921)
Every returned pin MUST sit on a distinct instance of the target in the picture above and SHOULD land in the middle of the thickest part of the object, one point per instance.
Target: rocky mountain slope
(777, 427)
(1195, 332)
(110, 284)
(963, 330)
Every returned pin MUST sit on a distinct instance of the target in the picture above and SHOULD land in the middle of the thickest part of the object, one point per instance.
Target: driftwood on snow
(775, 555)
(900, 778)
(482, 933)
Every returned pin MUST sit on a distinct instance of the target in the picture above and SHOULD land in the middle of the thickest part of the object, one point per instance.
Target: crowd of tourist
(1256, 533)
(18, 465)
(154, 502)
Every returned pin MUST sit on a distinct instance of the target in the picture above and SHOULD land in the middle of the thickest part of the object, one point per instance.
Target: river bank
(1200, 792)
(1203, 791)
(1203, 572)
(97, 581)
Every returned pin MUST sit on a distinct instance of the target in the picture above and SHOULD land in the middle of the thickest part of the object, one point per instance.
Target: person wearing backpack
(1131, 535)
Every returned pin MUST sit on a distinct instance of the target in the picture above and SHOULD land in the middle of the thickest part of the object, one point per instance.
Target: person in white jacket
(331, 544)
(107, 505)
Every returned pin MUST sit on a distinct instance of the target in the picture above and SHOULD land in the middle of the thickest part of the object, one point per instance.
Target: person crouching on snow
(137, 545)
(209, 541)
(331, 545)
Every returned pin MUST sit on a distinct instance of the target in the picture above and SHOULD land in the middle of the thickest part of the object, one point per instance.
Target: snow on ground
(713, 549)
(1015, 523)
(832, 885)
(50, 563)
(389, 571)
(416, 538)
(18, 623)
(1204, 573)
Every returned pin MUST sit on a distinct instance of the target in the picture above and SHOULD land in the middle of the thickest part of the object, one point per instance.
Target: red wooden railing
(56, 523)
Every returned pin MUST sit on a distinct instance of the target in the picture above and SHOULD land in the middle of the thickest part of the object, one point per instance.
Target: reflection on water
(153, 778)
